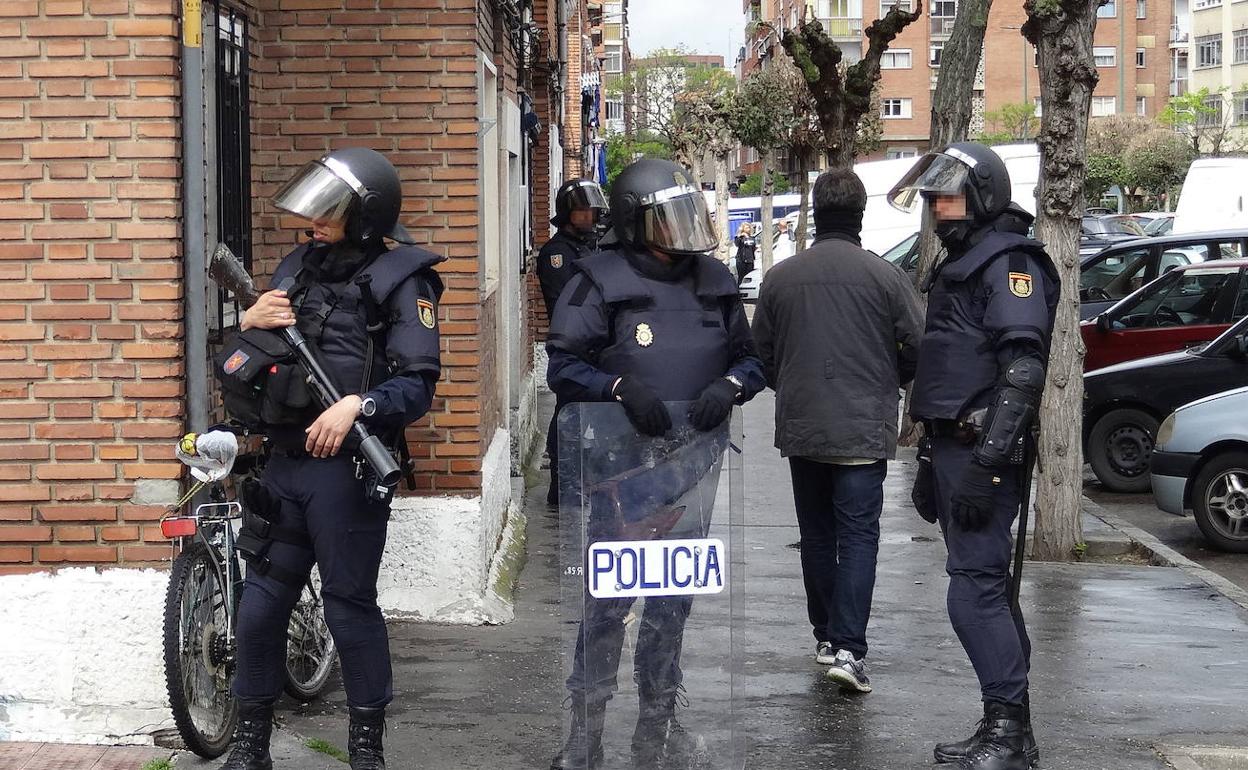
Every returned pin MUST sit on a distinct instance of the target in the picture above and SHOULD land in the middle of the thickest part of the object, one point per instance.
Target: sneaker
(824, 654)
(850, 674)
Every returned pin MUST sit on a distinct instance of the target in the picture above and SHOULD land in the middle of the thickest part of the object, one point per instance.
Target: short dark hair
(839, 189)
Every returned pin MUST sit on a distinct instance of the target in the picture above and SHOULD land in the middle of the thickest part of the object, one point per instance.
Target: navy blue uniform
(989, 306)
(677, 328)
(322, 498)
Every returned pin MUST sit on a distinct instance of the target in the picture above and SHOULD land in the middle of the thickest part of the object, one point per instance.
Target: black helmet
(355, 185)
(654, 204)
(964, 167)
(578, 194)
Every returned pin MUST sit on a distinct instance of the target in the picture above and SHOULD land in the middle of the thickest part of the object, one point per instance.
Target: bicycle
(201, 604)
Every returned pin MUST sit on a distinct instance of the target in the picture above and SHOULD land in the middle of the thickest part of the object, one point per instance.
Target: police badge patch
(645, 335)
(428, 318)
(235, 362)
(1020, 285)
(556, 261)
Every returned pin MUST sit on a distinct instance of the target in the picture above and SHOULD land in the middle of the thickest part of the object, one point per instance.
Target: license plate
(639, 568)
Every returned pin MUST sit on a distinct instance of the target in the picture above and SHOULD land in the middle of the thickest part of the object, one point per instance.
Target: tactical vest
(672, 335)
(957, 359)
(334, 316)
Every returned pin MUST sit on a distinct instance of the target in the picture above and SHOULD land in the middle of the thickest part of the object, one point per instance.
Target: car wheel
(1119, 448)
(1220, 502)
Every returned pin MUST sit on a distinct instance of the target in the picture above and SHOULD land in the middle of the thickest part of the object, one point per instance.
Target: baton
(1020, 542)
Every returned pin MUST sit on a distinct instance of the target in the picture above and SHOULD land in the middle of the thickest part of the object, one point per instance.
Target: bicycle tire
(310, 649)
(189, 653)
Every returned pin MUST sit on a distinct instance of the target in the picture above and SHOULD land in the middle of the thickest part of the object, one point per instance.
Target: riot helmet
(579, 194)
(354, 185)
(967, 168)
(655, 205)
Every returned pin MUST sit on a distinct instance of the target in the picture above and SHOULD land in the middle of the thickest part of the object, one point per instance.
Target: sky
(705, 26)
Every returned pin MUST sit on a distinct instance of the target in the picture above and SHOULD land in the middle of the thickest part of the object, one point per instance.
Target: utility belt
(374, 490)
(966, 432)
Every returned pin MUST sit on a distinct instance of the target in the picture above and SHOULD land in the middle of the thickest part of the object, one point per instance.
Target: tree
(1198, 117)
(753, 185)
(843, 96)
(1010, 123)
(1108, 138)
(1062, 32)
(760, 119)
(623, 149)
(1157, 161)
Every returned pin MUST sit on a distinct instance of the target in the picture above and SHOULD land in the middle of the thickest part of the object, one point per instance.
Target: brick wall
(90, 313)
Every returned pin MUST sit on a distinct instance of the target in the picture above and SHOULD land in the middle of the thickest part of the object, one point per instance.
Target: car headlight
(1165, 432)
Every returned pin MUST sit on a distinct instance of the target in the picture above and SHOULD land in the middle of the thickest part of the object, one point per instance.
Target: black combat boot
(583, 750)
(1002, 740)
(250, 748)
(952, 752)
(364, 738)
(659, 740)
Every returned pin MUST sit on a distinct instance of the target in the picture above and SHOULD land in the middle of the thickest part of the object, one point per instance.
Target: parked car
(1187, 306)
(1201, 464)
(1115, 272)
(1157, 222)
(1123, 404)
(1098, 233)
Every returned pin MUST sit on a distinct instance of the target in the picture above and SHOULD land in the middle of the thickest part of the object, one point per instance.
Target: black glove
(645, 410)
(923, 493)
(714, 405)
(973, 502)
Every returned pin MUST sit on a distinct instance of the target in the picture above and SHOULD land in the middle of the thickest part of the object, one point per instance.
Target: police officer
(580, 208)
(371, 312)
(656, 320)
(981, 372)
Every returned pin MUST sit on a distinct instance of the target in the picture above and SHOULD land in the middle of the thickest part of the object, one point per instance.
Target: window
(615, 109)
(614, 60)
(1141, 106)
(1212, 114)
(1241, 107)
(896, 60)
(1208, 51)
(232, 100)
(1202, 4)
(894, 153)
(1190, 298)
(888, 5)
(1103, 106)
(1105, 56)
(895, 108)
(1240, 46)
(1113, 276)
(1108, 10)
(937, 48)
(1139, 58)
(1140, 11)
(943, 13)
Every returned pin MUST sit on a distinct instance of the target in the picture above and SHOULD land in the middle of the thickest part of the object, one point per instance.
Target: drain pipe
(194, 249)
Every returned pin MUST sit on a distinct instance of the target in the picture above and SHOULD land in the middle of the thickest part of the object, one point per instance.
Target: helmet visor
(316, 194)
(935, 174)
(586, 195)
(676, 220)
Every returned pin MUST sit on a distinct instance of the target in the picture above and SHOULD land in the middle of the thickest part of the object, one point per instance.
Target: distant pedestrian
(746, 248)
(838, 330)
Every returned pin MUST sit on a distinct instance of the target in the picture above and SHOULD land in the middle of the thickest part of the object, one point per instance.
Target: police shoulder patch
(1020, 285)
(235, 362)
(428, 317)
(556, 261)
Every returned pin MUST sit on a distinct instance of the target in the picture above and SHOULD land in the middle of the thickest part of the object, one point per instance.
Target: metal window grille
(233, 157)
(1240, 39)
(1208, 51)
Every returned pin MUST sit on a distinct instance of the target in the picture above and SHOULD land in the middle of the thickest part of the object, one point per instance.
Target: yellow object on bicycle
(187, 444)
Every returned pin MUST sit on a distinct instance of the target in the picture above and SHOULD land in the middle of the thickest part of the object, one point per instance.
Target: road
(1181, 534)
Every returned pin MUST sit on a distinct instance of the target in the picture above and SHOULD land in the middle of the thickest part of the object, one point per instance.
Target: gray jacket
(838, 330)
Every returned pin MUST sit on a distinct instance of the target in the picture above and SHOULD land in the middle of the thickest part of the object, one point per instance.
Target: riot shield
(647, 529)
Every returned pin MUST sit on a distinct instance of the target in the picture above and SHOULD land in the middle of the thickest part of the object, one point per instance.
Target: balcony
(1178, 87)
(1179, 36)
(942, 26)
(843, 27)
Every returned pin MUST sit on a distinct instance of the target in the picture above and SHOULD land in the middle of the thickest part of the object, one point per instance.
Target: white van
(1213, 196)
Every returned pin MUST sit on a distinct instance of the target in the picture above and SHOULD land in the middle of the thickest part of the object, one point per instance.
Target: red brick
(16, 554)
(119, 533)
(52, 513)
(77, 534)
(99, 554)
(63, 28)
(145, 28)
(75, 390)
(152, 471)
(22, 513)
(30, 533)
(149, 553)
(71, 272)
(75, 430)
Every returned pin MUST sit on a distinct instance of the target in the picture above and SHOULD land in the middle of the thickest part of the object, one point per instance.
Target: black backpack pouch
(261, 380)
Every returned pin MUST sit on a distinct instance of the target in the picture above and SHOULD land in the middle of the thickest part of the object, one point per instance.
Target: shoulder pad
(290, 265)
(615, 279)
(991, 247)
(393, 267)
(713, 278)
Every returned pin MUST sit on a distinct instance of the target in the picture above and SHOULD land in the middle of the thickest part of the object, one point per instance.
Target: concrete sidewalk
(1126, 658)
(61, 756)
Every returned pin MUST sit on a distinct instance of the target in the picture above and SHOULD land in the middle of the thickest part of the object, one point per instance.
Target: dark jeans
(348, 534)
(993, 635)
(838, 513)
(656, 661)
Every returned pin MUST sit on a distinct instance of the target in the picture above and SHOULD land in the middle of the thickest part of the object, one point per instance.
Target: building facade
(1217, 55)
(139, 134)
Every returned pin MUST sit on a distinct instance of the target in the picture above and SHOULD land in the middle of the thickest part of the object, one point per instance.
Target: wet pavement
(1125, 658)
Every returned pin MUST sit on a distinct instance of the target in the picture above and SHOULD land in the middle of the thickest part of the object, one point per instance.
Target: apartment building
(1135, 48)
(1218, 56)
(611, 42)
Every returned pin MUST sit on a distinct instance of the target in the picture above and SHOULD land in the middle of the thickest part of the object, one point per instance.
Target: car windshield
(1179, 298)
(1226, 339)
(1111, 226)
(898, 253)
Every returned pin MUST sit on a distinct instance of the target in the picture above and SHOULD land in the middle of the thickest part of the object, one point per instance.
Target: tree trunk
(1063, 32)
(721, 208)
(769, 189)
(803, 211)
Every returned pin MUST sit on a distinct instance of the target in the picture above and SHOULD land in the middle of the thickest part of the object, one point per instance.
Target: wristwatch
(368, 406)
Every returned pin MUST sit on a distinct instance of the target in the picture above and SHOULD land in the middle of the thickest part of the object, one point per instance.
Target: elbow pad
(1011, 413)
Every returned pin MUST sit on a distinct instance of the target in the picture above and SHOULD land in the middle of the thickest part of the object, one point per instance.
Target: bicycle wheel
(310, 650)
(198, 658)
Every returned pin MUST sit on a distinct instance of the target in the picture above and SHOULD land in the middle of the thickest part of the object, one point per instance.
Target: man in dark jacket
(838, 331)
(746, 247)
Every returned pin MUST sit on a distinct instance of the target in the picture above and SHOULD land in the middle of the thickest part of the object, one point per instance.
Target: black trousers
(348, 534)
(993, 635)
